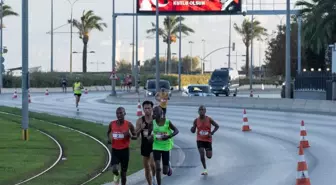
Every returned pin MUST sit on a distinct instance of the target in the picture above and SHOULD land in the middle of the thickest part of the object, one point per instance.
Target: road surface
(265, 156)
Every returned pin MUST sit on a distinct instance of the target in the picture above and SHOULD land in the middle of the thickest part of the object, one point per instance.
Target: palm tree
(319, 18)
(245, 32)
(7, 11)
(170, 30)
(88, 22)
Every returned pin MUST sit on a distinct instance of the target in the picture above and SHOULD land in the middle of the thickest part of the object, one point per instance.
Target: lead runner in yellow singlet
(77, 89)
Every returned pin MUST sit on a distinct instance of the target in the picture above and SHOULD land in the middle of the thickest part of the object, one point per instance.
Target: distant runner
(204, 135)
(142, 126)
(162, 97)
(163, 132)
(120, 140)
(77, 88)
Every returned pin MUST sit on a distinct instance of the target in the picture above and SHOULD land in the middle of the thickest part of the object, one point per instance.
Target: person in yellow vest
(162, 97)
(77, 88)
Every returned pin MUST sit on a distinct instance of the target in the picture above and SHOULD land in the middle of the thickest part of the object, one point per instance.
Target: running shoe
(205, 172)
(116, 179)
(170, 171)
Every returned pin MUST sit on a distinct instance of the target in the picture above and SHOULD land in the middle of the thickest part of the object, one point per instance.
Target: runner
(204, 135)
(162, 142)
(162, 97)
(120, 141)
(142, 126)
(77, 88)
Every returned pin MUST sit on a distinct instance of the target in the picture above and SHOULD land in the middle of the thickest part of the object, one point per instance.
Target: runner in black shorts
(120, 140)
(142, 126)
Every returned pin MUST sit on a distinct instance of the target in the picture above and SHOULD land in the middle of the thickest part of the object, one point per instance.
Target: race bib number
(145, 132)
(160, 135)
(204, 133)
(118, 136)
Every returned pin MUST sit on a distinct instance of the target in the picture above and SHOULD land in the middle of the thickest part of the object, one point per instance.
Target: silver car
(197, 90)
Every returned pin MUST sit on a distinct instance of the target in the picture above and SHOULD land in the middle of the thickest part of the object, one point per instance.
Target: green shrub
(42, 79)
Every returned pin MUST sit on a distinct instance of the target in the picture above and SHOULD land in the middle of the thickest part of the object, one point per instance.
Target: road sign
(113, 75)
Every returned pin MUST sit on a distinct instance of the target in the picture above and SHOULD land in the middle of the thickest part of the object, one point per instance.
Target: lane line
(83, 133)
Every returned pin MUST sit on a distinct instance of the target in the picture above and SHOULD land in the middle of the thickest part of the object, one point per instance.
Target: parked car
(150, 87)
(224, 81)
(197, 90)
(283, 90)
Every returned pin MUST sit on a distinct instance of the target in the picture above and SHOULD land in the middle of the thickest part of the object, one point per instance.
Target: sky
(213, 29)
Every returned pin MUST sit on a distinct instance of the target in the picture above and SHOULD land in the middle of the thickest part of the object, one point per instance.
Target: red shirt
(119, 141)
(203, 129)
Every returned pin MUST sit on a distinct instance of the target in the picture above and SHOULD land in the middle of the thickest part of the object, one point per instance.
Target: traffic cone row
(245, 126)
(302, 177)
(15, 95)
(139, 110)
(303, 134)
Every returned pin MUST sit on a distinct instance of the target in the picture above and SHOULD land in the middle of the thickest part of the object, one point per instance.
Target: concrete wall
(310, 95)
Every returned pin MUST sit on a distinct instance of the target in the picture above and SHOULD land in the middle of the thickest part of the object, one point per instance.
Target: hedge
(41, 79)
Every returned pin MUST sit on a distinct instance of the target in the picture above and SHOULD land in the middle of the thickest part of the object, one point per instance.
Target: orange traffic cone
(245, 126)
(46, 92)
(86, 91)
(139, 110)
(303, 134)
(14, 95)
(302, 177)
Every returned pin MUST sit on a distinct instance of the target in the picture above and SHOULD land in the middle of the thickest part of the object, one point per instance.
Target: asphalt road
(265, 156)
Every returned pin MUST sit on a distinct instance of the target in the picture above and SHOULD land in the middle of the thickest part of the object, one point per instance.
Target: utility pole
(288, 54)
(191, 57)
(52, 37)
(180, 54)
(157, 64)
(114, 19)
(252, 34)
(229, 57)
(71, 31)
(1, 44)
(202, 67)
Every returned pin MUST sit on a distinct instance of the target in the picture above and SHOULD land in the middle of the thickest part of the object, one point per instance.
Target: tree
(124, 67)
(7, 11)
(88, 22)
(169, 33)
(275, 55)
(319, 20)
(245, 31)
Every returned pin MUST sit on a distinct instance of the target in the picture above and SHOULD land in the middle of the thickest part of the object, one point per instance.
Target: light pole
(191, 57)
(25, 74)
(52, 36)
(202, 67)
(288, 65)
(157, 64)
(114, 43)
(229, 59)
(1, 43)
(97, 63)
(71, 31)
(180, 54)
(133, 42)
(252, 34)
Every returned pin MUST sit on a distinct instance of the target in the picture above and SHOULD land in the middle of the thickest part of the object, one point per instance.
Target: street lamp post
(202, 67)
(113, 82)
(52, 37)
(251, 61)
(1, 43)
(229, 59)
(71, 31)
(157, 64)
(180, 54)
(288, 64)
(191, 57)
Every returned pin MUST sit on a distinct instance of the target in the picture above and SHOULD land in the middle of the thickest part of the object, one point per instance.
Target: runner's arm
(132, 130)
(193, 128)
(138, 127)
(150, 130)
(215, 125)
(109, 134)
(172, 127)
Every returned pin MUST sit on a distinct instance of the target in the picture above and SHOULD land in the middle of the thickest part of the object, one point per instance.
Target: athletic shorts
(146, 149)
(204, 144)
(120, 157)
(165, 155)
(79, 95)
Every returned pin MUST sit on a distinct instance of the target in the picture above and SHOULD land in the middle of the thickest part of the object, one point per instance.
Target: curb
(50, 167)
(108, 151)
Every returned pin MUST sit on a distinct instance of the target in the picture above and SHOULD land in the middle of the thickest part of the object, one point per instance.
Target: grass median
(84, 155)
(20, 159)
